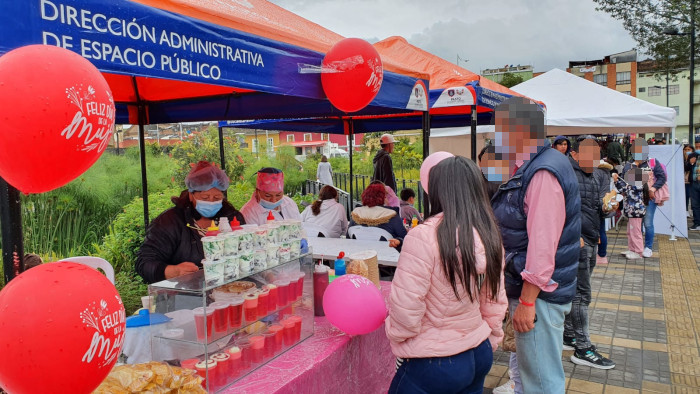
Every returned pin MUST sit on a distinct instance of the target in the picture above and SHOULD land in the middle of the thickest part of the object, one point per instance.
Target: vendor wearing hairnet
(269, 197)
(173, 245)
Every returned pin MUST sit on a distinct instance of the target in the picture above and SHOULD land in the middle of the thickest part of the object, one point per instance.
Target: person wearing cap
(383, 166)
(173, 243)
(561, 144)
(269, 197)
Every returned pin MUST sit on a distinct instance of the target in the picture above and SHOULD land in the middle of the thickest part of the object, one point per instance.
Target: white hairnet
(205, 176)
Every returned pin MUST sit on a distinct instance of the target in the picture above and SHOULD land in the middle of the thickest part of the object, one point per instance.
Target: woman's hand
(173, 271)
(615, 176)
(394, 243)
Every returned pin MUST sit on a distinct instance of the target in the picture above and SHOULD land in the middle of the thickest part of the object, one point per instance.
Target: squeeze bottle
(339, 265)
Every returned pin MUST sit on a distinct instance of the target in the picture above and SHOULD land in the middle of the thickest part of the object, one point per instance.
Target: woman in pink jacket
(447, 298)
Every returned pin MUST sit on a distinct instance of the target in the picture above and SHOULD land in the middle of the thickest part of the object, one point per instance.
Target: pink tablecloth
(328, 362)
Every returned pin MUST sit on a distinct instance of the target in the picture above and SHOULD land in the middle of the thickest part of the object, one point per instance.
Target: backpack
(662, 195)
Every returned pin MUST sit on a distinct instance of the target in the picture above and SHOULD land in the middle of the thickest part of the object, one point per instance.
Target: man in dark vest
(585, 156)
(383, 166)
(539, 213)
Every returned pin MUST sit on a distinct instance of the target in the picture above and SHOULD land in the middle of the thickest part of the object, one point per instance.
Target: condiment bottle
(212, 230)
(235, 224)
(320, 285)
(270, 217)
(339, 265)
(224, 226)
(414, 222)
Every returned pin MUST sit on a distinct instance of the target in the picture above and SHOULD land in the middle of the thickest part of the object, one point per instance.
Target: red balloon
(62, 328)
(56, 117)
(352, 74)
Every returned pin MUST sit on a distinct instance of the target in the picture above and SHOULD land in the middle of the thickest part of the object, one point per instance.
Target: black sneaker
(695, 228)
(590, 357)
(569, 343)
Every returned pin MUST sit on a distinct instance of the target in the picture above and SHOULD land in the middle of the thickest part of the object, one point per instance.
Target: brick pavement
(645, 316)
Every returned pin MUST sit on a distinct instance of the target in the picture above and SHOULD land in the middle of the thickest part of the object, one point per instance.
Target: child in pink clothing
(632, 187)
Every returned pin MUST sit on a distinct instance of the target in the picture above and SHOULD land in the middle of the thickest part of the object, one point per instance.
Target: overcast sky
(489, 33)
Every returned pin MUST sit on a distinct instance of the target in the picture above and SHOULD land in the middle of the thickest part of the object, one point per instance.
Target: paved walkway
(645, 316)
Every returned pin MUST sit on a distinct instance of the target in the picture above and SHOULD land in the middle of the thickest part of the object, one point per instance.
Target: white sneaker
(647, 252)
(633, 256)
(507, 388)
(626, 252)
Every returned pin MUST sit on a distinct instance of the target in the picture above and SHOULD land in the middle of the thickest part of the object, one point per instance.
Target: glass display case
(227, 326)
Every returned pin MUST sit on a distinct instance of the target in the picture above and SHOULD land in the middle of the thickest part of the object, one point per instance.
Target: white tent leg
(673, 206)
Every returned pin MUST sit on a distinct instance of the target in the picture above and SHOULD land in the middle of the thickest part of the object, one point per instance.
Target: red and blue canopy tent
(458, 97)
(190, 60)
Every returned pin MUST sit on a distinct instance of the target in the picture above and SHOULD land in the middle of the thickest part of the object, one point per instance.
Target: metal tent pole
(142, 151)
(11, 221)
(426, 152)
(473, 133)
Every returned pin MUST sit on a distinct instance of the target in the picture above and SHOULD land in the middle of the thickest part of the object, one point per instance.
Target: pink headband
(270, 183)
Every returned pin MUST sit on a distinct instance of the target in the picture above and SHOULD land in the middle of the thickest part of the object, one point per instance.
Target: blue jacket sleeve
(659, 174)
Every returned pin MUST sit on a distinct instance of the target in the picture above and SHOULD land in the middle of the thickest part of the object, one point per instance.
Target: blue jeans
(462, 373)
(603, 245)
(649, 225)
(539, 350)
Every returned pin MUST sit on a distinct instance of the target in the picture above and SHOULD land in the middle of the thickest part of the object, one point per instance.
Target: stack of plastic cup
(246, 357)
(272, 302)
(223, 364)
(269, 343)
(300, 285)
(297, 327)
(282, 292)
(202, 368)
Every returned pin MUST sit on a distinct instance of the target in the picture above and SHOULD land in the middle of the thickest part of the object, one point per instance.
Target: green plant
(127, 232)
(131, 288)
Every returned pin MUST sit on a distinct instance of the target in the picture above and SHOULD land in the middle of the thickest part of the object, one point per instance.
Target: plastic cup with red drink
(282, 292)
(257, 344)
(203, 322)
(235, 312)
(250, 307)
(202, 368)
(272, 301)
(288, 325)
(246, 355)
(269, 344)
(235, 360)
(278, 330)
(263, 303)
(297, 327)
(221, 318)
(223, 365)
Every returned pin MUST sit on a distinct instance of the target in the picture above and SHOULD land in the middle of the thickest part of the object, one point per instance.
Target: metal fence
(342, 183)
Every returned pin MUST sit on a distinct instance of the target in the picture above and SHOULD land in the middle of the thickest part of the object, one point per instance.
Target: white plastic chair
(369, 233)
(312, 230)
(94, 262)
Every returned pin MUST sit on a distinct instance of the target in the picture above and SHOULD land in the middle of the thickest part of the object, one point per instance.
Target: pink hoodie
(425, 318)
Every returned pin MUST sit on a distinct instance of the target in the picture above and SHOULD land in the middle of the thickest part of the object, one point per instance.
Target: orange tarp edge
(443, 74)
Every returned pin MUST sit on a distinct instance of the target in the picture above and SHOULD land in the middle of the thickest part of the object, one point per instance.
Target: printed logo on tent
(454, 97)
(418, 100)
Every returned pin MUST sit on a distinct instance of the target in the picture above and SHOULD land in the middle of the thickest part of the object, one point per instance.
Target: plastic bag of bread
(152, 377)
(357, 267)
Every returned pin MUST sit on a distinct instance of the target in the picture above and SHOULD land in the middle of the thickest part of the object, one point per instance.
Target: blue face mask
(492, 174)
(270, 205)
(208, 208)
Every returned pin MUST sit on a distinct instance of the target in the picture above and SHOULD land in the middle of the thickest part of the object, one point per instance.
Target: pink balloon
(354, 305)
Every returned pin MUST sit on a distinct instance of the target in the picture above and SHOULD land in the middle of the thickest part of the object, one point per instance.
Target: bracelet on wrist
(530, 304)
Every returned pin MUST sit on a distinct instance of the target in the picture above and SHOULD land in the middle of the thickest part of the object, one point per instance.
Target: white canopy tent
(576, 106)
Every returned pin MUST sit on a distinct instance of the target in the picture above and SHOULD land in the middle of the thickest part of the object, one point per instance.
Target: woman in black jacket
(173, 243)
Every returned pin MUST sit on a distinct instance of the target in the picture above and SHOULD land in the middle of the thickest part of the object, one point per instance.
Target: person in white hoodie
(324, 172)
(327, 213)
